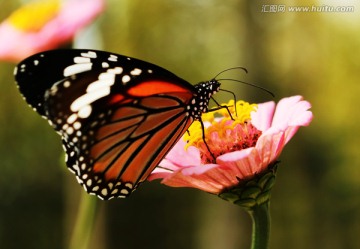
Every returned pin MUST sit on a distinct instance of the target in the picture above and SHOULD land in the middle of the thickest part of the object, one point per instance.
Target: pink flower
(242, 148)
(44, 25)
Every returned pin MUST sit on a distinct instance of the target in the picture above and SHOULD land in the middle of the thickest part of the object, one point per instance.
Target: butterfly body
(117, 116)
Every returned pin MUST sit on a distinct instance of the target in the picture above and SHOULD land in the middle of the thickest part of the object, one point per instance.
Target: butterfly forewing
(40, 72)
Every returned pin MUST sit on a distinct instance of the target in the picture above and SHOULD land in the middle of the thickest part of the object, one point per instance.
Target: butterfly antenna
(232, 68)
(249, 84)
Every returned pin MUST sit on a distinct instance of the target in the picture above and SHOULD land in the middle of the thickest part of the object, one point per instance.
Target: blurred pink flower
(44, 25)
(242, 148)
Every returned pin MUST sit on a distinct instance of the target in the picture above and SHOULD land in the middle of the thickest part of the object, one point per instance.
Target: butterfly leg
(203, 137)
(221, 107)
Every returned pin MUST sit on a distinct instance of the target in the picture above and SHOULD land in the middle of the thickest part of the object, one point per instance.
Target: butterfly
(117, 116)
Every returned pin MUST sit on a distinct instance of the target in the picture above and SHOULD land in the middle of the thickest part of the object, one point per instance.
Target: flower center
(33, 16)
(226, 133)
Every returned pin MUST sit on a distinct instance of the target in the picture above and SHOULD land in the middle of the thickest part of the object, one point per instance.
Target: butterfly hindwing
(121, 140)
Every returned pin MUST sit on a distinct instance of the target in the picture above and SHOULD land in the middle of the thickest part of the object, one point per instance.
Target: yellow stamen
(221, 127)
(33, 16)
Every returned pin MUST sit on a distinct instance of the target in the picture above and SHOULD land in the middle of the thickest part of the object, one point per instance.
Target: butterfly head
(204, 92)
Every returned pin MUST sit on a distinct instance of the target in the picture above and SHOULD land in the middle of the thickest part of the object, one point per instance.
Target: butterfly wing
(118, 116)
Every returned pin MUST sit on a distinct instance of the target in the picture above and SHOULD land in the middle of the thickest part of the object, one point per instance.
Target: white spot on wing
(88, 98)
(95, 91)
(85, 111)
(124, 191)
(67, 84)
(126, 79)
(113, 57)
(77, 68)
(69, 130)
(71, 118)
(77, 125)
(79, 180)
(136, 71)
(116, 70)
(80, 59)
(104, 192)
(128, 185)
(90, 54)
(106, 79)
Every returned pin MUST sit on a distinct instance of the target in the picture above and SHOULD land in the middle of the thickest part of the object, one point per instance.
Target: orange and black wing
(117, 116)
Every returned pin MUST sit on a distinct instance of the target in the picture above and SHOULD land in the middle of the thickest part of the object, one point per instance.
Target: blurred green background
(316, 200)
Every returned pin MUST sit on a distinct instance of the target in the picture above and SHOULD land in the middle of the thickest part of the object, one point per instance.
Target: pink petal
(269, 145)
(211, 178)
(290, 114)
(202, 177)
(159, 173)
(176, 159)
(262, 117)
(292, 111)
(168, 166)
(243, 163)
(250, 161)
(178, 156)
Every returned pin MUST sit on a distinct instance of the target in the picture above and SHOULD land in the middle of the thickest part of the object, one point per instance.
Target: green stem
(261, 226)
(84, 222)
